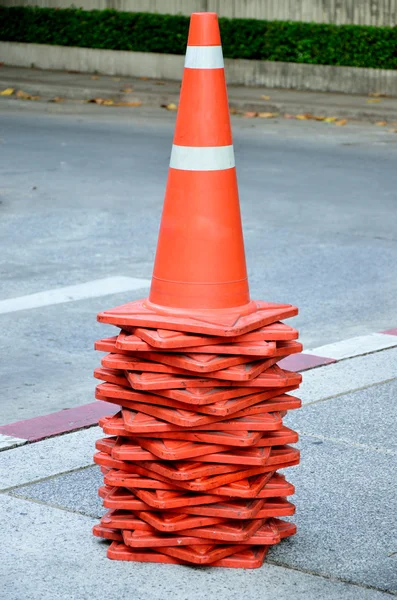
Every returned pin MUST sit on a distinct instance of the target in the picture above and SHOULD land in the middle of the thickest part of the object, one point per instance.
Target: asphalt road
(81, 194)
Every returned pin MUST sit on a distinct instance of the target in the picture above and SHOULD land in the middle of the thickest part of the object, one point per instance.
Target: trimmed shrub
(314, 43)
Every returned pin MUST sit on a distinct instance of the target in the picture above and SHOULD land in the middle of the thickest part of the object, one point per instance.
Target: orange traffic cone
(200, 260)
(190, 469)
(200, 280)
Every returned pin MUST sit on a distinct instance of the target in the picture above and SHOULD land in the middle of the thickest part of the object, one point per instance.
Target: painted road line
(78, 417)
(303, 362)
(86, 415)
(349, 375)
(8, 441)
(71, 293)
(339, 378)
(357, 346)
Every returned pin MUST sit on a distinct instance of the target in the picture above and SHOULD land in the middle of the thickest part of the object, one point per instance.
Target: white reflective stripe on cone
(204, 57)
(202, 158)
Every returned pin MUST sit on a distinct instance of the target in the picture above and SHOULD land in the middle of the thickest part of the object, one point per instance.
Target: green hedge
(315, 43)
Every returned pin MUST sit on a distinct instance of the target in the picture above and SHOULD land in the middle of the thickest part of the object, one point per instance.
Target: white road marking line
(204, 57)
(8, 441)
(363, 344)
(202, 158)
(71, 293)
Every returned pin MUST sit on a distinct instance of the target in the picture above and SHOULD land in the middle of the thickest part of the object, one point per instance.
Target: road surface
(81, 197)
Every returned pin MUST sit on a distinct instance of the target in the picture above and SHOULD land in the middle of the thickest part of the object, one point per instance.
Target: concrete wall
(359, 12)
(168, 66)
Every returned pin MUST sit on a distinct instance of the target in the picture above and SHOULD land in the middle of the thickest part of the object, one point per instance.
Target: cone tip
(204, 30)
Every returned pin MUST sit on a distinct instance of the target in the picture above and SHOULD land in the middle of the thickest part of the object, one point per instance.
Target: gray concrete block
(348, 375)
(363, 417)
(49, 457)
(345, 511)
(76, 491)
(51, 555)
(345, 501)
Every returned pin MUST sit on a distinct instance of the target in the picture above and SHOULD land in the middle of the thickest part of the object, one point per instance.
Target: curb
(87, 415)
(240, 71)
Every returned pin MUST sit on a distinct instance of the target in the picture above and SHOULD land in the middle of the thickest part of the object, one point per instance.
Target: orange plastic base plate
(219, 322)
(166, 339)
(244, 559)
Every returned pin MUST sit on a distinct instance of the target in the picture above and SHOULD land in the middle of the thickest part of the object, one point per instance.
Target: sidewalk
(81, 87)
(345, 546)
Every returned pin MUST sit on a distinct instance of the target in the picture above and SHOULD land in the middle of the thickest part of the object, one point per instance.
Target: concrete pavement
(345, 498)
(80, 204)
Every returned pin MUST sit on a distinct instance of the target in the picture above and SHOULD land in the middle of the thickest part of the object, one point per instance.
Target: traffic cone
(199, 281)
(200, 259)
(190, 467)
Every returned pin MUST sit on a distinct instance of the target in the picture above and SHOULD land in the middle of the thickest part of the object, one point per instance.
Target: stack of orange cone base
(191, 460)
(190, 464)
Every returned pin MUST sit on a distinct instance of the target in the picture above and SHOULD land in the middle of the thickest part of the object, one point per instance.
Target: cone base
(190, 471)
(245, 559)
(221, 322)
(173, 341)
(175, 295)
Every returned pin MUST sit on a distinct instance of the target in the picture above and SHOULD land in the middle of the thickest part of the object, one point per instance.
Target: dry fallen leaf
(330, 119)
(56, 99)
(137, 103)
(264, 97)
(25, 96)
(341, 122)
(232, 110)
(302, 117)
(381, 123)
(127, 90)
(267, 115)
(7, 92)
(94, 77)
(101, 101)
(144, 78)
(288, 116)
(250, 115)
(318, 118)
(377, 95)
(170, 106)
(392, 130)
(373, 100)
